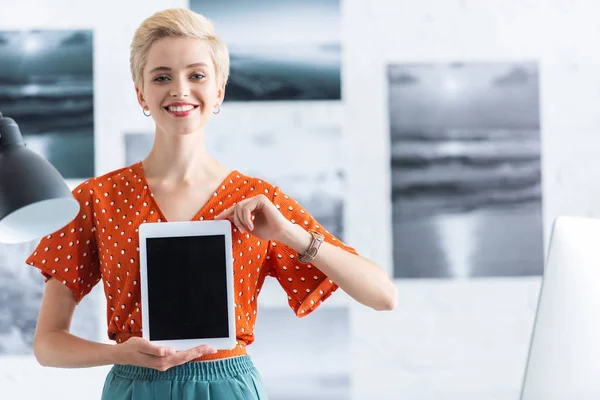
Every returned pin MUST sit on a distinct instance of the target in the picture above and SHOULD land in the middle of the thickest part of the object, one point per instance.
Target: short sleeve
(307, 287)
(70, 254)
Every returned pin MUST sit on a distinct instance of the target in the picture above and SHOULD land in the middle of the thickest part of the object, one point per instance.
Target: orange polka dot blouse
(102, 244)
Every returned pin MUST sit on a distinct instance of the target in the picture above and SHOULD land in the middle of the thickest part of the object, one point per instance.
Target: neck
(180, 159)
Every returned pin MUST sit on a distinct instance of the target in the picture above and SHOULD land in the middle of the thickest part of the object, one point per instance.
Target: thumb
(146, 347)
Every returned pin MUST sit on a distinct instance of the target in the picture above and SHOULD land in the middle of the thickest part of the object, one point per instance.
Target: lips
(180, 107)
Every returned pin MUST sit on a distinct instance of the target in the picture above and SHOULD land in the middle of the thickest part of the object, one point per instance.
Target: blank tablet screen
(187, 287)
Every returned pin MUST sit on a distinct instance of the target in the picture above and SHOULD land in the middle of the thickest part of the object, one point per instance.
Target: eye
(197, 76)
(161, 79)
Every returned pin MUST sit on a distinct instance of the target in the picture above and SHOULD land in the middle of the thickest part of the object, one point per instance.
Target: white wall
(463, 340)
(447, 339)
(115, 111)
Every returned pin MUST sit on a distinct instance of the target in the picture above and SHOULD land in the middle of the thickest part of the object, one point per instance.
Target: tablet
(186, 279)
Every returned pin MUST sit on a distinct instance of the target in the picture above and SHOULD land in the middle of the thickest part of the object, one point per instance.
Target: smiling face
(180, 85)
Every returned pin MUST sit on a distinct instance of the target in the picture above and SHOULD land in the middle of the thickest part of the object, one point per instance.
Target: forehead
(177, 53)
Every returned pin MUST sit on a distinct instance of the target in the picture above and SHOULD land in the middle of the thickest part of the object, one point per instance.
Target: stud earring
(144, 111)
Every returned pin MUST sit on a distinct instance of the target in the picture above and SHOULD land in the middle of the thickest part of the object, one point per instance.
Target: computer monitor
(564, 355)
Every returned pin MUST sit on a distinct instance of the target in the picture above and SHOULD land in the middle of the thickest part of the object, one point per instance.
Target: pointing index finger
(225, 214)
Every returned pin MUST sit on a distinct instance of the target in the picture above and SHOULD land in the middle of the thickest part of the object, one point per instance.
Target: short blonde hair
(176, 22)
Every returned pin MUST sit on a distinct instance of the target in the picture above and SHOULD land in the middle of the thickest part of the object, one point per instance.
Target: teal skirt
(229, 379)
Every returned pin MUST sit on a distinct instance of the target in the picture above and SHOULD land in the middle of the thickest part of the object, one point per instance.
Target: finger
(203, 350)
(239, 212)
(226, 214)
(246, 216)
(160, 351)
(237, 222)
(189, 355)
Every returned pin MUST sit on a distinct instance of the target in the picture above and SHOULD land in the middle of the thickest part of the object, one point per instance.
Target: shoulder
(251, 185)
(87, 188)
(258, 185)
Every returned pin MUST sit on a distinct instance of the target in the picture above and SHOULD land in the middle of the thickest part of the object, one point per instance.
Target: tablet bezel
(188, 228)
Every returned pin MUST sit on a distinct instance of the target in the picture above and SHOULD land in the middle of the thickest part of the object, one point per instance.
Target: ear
(140, 97)
(220, 92)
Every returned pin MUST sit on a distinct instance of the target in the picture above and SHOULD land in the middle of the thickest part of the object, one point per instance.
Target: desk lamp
(34, 198)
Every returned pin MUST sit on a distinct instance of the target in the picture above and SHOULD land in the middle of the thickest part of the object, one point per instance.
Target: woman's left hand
(259, 216)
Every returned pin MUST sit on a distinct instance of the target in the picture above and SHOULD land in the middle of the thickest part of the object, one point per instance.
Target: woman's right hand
(142, 353)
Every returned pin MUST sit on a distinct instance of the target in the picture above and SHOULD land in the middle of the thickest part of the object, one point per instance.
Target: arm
(362, 279)
(54, 346)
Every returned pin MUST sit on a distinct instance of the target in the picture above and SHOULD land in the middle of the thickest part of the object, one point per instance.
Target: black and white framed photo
(465, 169)
(280, 157)
(303, 358)
(21, 289)
(46, 86)
(279, 49)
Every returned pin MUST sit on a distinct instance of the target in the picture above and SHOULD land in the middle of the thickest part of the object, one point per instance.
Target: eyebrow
(167, 69)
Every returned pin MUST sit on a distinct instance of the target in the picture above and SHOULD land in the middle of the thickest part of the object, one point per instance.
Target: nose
(180, 88)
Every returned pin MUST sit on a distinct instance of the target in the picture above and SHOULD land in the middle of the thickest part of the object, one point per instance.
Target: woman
(180, 69)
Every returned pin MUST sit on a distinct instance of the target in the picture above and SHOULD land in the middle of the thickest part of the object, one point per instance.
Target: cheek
(152, 98)
(155, 94)
(208, 94)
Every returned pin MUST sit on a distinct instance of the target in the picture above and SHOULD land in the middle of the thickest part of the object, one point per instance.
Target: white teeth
(180, 108)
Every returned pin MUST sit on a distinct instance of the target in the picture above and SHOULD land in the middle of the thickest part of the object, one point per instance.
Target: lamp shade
(34, 198)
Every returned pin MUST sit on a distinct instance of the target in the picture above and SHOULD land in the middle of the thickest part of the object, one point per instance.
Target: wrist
(115, 354)
(296, 238)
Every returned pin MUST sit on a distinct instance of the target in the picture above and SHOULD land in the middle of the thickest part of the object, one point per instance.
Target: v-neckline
(214, 197)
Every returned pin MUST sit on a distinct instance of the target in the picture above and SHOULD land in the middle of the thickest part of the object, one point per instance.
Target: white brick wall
(447, 340)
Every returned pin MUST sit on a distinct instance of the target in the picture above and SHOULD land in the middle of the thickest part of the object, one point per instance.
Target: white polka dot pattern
(306, 286)
(102, 243)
